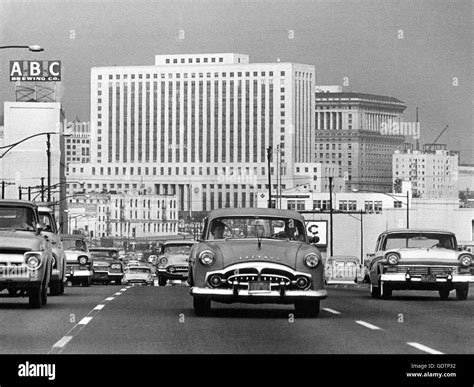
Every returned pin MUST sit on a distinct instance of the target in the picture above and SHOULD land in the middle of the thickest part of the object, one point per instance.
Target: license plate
(259, 287)
(428, 278)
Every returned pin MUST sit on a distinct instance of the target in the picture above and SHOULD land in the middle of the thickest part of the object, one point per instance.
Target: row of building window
(191, 75)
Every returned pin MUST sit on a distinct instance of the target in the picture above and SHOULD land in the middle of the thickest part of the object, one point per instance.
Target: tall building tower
(199, 126)
(78, 144)
(355, 132)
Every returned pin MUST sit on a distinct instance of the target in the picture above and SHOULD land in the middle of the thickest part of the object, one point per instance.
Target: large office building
(201, 127)
(78, 142)
(358, 133)
(433, 174)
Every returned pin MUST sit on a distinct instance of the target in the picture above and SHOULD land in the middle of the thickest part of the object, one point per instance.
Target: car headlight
(116, 266)
(465, 259)
(392, 258)
(207, 257)
(82, 260)
(33, 261)
(311, 260)
(163, 261)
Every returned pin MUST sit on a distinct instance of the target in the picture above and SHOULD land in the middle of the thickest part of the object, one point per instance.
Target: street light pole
(361, 238)
(408, 210)
(34, 48)
(330, 217)
(269, 153)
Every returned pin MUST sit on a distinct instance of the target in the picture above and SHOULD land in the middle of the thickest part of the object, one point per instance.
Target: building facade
(432, 174)
(200, 127)
(358, 134)
(78, 144)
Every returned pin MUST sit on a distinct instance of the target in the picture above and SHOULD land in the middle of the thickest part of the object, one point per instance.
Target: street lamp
(48, 152)
(395, 198)
(34, 48)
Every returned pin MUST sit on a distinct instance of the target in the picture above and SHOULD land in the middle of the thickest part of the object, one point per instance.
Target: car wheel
(385, 291)
(44, 295)
(202, 306)
(118, 282)
(162, 281)
(34, 298)
(307, 308)
(444, 293)
(55, 288)
(61, 287)
(374, 291)
(87, 282)
(462, 291)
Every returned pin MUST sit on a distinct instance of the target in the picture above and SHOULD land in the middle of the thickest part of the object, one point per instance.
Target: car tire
(44, 295)
(444, 293)
(307, 308)
(55, 288)
(87, 282)
(34, 298)
(61, 288)
(385, 291)
(462, 292)
(202, 306)
(374, 291)
(118, 282)
(162, 281)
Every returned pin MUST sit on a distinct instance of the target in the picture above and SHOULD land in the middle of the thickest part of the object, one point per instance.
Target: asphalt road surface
(160, 320)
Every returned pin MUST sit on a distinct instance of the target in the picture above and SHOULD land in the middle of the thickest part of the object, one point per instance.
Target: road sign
(318, 228)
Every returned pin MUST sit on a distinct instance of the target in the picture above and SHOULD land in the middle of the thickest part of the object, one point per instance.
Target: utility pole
(42, 189)
(330, 218)
(269, 154)
(361, 238)
(48, 154)
(408, 209)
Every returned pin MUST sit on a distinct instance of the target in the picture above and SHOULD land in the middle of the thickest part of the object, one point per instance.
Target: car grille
(276, 277)
(177, 269)
(423, 270)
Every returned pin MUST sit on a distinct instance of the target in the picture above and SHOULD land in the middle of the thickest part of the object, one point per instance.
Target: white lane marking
(128, 287)
(367, 325)
(109, 298)
(123, 290)
(61, 343)
(331, 311)
(99, 307)
(85, 321)
(117, 294)
(424, 348)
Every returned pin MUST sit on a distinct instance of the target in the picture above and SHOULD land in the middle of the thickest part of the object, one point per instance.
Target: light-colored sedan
(173, 261)
(139, 274)
(408, 259)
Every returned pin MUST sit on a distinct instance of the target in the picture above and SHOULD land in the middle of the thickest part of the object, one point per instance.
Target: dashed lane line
(60, 344)
(424, 348)
(331, 311)
(368, 325)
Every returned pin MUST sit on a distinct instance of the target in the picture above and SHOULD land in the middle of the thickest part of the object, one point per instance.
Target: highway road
(160, 320)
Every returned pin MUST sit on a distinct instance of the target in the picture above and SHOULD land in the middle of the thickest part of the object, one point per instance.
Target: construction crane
(439, 135)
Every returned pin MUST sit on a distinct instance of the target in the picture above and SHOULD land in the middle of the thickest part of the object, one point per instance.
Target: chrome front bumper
(274, 296)
(401, 278)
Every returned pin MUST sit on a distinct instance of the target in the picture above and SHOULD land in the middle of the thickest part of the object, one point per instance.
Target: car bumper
(106, 276)
(403, 279)
(79, 274)
(137, 282)
(274, 296)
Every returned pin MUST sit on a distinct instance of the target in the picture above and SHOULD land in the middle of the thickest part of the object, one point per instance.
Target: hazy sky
(418, 51)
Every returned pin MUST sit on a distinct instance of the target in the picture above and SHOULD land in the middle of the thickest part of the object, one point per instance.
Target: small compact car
(420, 260)
(50, 229)
(107, 265)
(342, 269)
(26, 257)
(256, 255)
(139, 274)
(79, 268)
(173, 261)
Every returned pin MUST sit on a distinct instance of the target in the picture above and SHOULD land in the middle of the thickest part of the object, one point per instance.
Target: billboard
(318, 228)
(35, 70)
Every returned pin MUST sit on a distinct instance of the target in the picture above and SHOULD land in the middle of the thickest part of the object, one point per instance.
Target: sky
(419, 51)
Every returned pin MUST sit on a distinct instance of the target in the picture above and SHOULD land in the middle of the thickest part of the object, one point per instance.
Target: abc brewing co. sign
(35, 70)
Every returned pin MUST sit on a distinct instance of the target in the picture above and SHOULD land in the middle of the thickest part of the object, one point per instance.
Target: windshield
(423, 240)
(17, 218)
(138, 270)
(176, 249)
(256, 227)
(74, 244)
